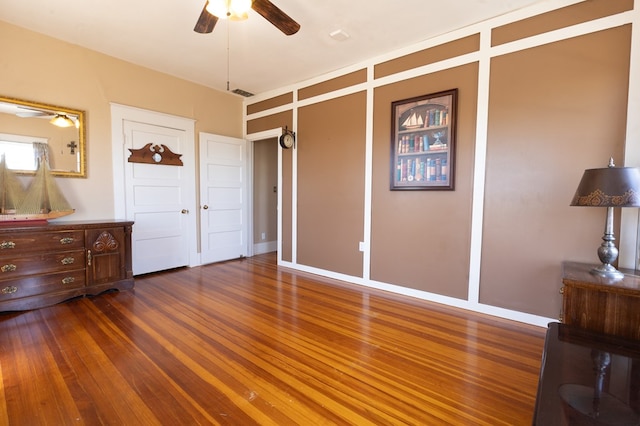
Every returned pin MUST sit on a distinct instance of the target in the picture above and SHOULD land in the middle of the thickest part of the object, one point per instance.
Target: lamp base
(580, 407)
(607, 271)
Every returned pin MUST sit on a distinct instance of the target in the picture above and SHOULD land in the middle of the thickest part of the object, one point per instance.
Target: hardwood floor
(244, 342)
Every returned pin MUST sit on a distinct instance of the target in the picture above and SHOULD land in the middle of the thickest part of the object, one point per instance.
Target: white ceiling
(158, 34)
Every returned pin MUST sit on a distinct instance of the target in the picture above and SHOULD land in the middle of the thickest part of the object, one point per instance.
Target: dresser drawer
(41, 284)
(14, 243)
(40, 263)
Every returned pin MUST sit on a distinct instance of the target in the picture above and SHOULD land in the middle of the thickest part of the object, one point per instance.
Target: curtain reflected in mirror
(31, 133)
(41, 153)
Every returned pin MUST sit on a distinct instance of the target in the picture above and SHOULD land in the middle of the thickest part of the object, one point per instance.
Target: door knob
(205, 207)
(184, 211)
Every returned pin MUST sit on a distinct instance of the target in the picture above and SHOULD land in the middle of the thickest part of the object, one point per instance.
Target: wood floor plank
(245, 342)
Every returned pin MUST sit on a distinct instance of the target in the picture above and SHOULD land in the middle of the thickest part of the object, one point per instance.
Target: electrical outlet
(264, 236)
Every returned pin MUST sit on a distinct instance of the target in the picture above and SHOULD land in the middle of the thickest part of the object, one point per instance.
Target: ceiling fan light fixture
(62, 120)
(233, 9)
(239, 17)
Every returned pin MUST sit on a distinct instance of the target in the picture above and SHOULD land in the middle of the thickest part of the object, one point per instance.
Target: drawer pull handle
(67, 240)
(8, 267)
(9, 290)
(68, 280)
(67, 261)
(89, 257)
(7, 245)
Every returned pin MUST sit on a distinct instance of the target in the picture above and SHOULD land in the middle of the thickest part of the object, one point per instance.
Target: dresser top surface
(578, 273)
(9, 227)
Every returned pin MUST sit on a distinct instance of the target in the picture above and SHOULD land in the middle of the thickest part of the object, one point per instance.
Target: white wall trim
(368, 176)
(250, 148)
(479, 170)
(294, 183)
(629, 245)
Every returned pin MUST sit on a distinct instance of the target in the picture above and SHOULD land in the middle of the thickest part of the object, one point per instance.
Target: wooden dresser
(44, 264)
(596, 304)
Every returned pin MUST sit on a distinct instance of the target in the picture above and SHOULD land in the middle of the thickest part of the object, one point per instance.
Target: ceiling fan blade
(277, 17)
(29, 114)
(26, 112)
(206, 21)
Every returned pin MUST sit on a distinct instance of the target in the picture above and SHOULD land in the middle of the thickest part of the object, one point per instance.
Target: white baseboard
(266, 247)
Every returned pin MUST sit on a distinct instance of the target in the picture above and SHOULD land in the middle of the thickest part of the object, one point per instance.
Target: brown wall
(559, 18)
(420, 239)
(552, 111)
(429, 56)
(327, 86)
(331, 148)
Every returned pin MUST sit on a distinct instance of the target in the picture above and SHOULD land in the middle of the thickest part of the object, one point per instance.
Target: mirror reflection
(31, 132)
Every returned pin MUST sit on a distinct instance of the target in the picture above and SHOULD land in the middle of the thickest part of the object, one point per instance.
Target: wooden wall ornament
(155, 154)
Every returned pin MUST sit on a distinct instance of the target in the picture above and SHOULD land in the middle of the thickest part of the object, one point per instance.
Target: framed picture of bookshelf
(423, 141)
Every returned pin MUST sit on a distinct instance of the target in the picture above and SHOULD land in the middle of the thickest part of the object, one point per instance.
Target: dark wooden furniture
(597, 304)
(44, 264)
(588, 378)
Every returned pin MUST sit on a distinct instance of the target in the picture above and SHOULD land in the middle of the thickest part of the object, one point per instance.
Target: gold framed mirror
(31, 132)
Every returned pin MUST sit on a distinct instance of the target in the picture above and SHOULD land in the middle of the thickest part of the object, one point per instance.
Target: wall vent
(242, 93)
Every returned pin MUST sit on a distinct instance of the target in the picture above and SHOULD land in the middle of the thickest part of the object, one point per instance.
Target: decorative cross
(72, 147)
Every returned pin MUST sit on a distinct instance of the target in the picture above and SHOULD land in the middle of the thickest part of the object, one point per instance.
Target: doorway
(159, 198)
(265, 196)
(257, 246)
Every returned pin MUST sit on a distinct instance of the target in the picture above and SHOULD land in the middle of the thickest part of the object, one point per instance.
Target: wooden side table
(596, 304)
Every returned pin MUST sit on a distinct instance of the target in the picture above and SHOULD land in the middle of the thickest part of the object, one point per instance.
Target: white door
(155, 201)
(223, 198)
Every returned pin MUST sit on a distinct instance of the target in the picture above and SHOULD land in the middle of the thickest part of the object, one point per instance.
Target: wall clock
(287, 139)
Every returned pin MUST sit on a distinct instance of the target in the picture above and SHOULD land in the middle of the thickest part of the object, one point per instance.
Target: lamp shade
(234, 9)
(61, 120)
(609, 187)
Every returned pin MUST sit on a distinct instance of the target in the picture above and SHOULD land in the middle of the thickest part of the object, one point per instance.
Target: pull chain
(228, 55)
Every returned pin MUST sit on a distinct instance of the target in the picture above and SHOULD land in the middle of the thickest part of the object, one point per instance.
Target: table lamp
(608, 187)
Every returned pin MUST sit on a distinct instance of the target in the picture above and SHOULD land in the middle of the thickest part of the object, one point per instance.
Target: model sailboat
(413, 121)
(11, 190)
(42, 200)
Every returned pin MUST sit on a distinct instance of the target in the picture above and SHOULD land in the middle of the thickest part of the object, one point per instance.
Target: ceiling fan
(26, 112)
(59, 119)
(221, 9)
